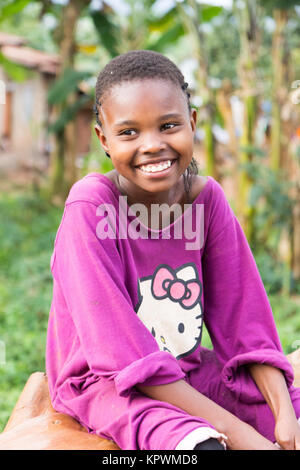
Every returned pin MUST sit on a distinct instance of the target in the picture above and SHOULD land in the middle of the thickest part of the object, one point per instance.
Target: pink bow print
(166, 284)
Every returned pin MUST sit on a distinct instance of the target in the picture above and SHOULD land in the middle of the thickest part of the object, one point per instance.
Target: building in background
(25, 113)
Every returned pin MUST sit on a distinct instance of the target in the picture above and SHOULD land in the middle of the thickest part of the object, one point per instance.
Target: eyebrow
(129, 122)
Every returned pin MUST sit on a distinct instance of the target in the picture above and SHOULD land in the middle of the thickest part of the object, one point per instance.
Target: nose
(152, 143)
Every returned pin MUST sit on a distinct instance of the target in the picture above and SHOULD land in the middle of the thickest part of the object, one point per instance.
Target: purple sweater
(131, 310)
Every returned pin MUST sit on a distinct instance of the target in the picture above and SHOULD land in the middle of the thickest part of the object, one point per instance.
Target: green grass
(27, 231)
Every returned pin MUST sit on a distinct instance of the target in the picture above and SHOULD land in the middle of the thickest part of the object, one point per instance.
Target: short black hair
(137, 65)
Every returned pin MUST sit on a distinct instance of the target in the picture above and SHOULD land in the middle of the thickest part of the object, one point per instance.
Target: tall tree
(63, 159)
(279, 91)
(280, 156)
(192, 15)
(247, 71)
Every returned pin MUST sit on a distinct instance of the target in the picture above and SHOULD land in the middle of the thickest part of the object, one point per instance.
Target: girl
(123, 349)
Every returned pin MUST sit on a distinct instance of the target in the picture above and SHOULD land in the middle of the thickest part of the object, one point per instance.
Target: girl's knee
(210, 444)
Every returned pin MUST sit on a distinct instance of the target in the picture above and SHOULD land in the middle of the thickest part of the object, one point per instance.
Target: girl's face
(147, 122)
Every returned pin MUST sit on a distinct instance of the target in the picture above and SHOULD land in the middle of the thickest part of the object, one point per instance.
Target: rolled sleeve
(158, 368)
(238, 379)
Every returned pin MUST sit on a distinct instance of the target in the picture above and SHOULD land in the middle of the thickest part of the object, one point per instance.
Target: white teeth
(151, 168)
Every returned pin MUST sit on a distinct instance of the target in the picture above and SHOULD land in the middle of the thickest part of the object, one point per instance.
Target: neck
(174, 195)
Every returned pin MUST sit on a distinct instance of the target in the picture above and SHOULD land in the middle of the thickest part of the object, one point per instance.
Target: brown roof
(7, 39)
(32, 58)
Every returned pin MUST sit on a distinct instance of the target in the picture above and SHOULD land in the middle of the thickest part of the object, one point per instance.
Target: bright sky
(120, 3)
(221, 3)
(162, 6)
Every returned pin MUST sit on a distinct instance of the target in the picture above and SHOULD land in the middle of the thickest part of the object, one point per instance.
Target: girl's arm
(240, 436)
(272, 384)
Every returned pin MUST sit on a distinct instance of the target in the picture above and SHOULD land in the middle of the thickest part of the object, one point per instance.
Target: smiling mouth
(159, 167)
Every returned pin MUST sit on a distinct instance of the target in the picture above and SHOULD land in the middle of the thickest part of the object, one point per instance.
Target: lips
(157, 170)
(155, 162)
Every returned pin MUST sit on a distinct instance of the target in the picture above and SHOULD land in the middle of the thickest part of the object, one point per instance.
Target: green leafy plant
(273, 206)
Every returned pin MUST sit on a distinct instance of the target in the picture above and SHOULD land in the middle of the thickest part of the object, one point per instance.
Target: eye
(153, 332)
(128, 132)
(181, 327)
(168, 125)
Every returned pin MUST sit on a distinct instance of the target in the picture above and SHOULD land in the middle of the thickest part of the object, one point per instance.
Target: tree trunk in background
(248, 79)
(223, 96)
(278, 89)
(281, 159)
(296, 233)
(291, 165)
(206, 114)
(63, 160)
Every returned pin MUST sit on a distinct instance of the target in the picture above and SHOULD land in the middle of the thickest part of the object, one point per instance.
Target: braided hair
(142, 64)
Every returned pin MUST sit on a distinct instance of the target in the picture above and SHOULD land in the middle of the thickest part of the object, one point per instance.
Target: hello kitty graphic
(170, 307)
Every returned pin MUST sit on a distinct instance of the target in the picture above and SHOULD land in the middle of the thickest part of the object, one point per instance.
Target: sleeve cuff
(239, 380)
(158, 368)
(199, 435)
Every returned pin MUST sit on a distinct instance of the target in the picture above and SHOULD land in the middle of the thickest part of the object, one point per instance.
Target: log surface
(35, 425)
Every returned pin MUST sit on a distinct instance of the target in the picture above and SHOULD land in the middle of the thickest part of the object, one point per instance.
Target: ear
(101, 136)
(193, 119)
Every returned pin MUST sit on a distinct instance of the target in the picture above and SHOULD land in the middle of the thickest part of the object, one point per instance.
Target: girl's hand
(287, 433)
(272, 384)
